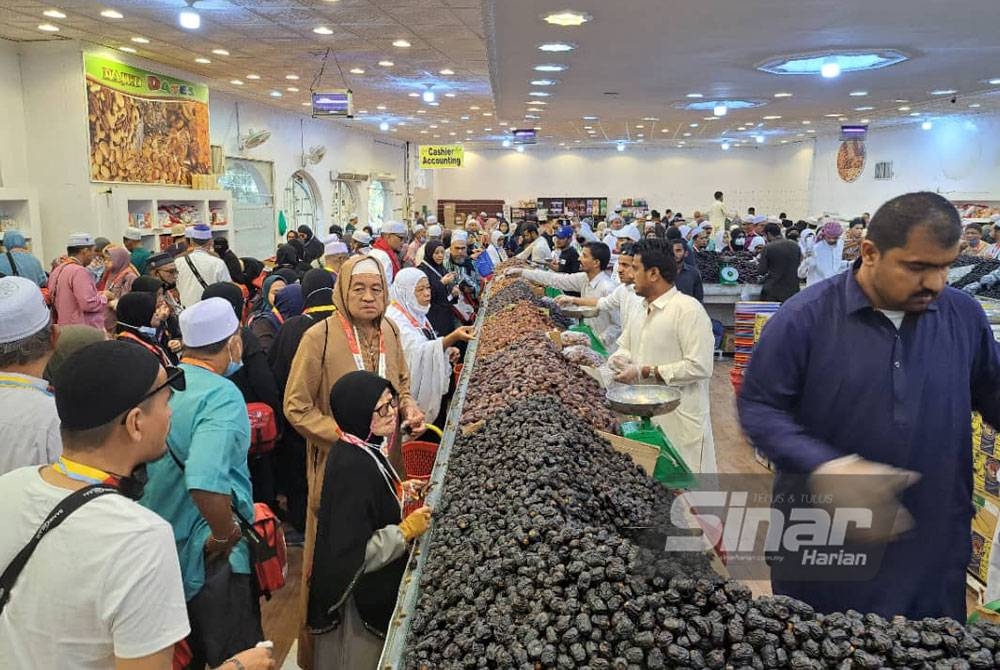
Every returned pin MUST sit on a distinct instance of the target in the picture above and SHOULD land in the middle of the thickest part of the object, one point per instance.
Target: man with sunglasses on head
(203, 480)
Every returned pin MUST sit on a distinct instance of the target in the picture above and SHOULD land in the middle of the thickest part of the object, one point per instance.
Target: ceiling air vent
(883, 171)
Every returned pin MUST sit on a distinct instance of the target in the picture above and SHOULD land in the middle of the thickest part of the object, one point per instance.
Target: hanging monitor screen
(333, 103)
(853, 133)
(525, 136)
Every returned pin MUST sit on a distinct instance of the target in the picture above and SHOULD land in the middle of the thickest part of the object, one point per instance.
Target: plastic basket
(736, 377)
(419, 456)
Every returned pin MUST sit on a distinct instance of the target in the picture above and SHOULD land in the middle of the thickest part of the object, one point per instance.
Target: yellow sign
(436, 157)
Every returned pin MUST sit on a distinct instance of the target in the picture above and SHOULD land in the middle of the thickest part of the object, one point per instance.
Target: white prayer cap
(684, 231)
(483, 214)
(630, 231)
(431, 220)
(188, 231)
(201, 232)
(434, 231)
(394, 228)
(367, 266)
(760, 218)
(361, 236)
(207, 322)
(133, 234)
(773, 219)
(80, 240)
(22, 309)
(459, 236)
(417, 228)
(334, 247)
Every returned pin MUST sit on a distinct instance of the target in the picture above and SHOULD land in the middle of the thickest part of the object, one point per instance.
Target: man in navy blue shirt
(875, 373)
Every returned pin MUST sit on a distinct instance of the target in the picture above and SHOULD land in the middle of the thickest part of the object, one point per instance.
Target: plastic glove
(619, 362)
(565, 300)
(630, 374)
(513, 272)
(415, 524)
(855, 482)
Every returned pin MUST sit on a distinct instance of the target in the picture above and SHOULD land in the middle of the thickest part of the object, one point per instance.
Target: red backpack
(263, 428)
(268, 552)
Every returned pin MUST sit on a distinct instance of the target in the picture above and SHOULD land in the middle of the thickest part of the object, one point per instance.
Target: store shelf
(595, 207)
(155, 209)
(19, 211)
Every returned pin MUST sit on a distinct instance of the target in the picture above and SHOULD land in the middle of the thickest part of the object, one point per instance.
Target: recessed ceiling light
(926, 125)
(830, 70)
(664, 130)
(487, 130)
(49, 28)
(402, 44)
(421, 111)
(782, 95)
(54, 14)
(401, 123)
(292, 89)
(865, 121)
(535, 102)
(520, 148)
(944, 91)
(487, 113)
(866, 108)
(784, 141)
(464, 117)
(993, 82)
(362, 111)
(694, 95)
(535, 109)
(550, 68)
(806, 123)
(590, 118)
(128, 50)
(445, 121)
(567, 18)
(556, 47)
(433, 126)
(695, 125)
(253, 76)
(380, 108)
(904, 109)
(640, 126)
(140, 40)
(974, 105)
(830, 65)
(292, 77)
(710, 118)
(307, 104)
(833, 116)
(842, 118)
(650, 118)
(112, 14)
(468, 132)
(386, 63)
(446, 72)
(914, 113)
(203, 61)
(858, 94)
(383, 126)
(436, 136)
(449, 95)
(236, 82)
(720, 110)
(322, 30)
(189, 19)
(357, 70)
(539, 94)
(544, 82)
(685, 134)
(434, 104)
(452, 133)
(811, 130)
(772, 117)
(275, 94)
(414, 94)
(532, 116)
(423, 132)
(725, 146)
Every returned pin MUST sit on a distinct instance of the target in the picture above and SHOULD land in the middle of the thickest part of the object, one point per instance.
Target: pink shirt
(75, 296)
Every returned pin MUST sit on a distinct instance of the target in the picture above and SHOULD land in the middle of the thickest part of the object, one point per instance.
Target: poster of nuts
(145, 128)
(851, 160)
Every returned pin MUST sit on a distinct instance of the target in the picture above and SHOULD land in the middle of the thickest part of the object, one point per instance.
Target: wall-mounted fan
(253, 139)
(313, 156)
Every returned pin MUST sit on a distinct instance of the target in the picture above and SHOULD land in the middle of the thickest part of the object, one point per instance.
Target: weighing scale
(728, 275)
(646, 402)
(580, 313)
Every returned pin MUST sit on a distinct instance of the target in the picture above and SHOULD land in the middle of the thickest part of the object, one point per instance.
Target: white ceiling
(651, 52)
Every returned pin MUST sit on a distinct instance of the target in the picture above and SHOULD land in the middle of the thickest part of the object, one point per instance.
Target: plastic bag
(571, 339)
(580, 354)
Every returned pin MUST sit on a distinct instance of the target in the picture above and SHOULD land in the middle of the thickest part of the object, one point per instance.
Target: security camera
(954, 99)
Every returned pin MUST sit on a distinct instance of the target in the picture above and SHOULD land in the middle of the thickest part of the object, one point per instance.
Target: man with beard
(885, 428)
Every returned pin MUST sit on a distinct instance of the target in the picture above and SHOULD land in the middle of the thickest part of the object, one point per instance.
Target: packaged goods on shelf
(749, 322)
(170, 214)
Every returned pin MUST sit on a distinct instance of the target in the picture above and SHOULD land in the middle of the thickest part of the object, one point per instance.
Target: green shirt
(140, 256)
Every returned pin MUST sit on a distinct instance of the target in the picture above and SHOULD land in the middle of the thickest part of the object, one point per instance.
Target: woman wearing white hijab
(428, 356)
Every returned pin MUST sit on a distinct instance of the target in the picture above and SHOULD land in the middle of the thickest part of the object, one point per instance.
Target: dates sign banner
(145, 128)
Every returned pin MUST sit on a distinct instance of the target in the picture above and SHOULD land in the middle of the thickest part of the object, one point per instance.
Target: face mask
(148, 331)
(233, 367)
(738, 242)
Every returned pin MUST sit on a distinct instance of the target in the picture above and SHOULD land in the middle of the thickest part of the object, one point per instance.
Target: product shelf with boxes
(19, 211)
(524, 210)
(975, 210)
(633, 207)
(595, 207)
(155, 210)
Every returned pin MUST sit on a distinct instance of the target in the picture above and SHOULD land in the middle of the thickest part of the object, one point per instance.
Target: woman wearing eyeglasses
(361, 540)
(355, 337)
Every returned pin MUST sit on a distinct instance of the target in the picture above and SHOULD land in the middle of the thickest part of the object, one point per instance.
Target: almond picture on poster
(851, 160)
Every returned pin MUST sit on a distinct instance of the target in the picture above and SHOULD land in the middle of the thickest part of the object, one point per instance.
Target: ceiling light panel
(567, 18)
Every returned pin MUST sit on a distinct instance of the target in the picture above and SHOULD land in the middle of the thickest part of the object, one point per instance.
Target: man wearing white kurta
(673, 345)
(593, 282)
(621, 301)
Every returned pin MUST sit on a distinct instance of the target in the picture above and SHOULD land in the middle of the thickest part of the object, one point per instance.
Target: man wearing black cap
(203, 478)
(163, 267)
(112, 556)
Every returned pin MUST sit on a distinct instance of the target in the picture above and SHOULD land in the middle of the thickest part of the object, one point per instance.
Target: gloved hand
(630, 374)
(415, 524)
(618, 362)
(565, 300)
(858, 483)
(513, 272)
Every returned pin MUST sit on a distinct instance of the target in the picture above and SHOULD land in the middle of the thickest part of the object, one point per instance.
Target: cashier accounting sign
(436, 157)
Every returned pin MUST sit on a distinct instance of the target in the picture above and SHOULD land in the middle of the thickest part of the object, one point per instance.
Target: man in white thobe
(621, 301)
(672, 345)
(592, 282)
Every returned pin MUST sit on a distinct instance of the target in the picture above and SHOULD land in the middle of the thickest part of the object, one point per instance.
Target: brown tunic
(323, 357)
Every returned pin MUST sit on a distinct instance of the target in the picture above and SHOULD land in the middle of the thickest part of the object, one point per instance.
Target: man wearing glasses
(387, 247)
(202, 479)
(163, 267)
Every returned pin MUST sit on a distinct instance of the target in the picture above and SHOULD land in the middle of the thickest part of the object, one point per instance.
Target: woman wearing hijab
(288, 302)
(289, 257)
(312, 248)
(428, 355)
(290, 457)
(170, 330)
(140, 323)
(441, 314)
(273, 283)
(17, 261)
(355, 337)
(118, 272)
(361, 540)
(737, 242)
(252, 279)
(222, 250)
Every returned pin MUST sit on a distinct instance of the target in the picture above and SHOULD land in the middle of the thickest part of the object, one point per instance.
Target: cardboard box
(643, 454)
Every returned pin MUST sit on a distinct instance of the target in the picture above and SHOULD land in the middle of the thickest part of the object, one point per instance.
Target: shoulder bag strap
(66, 506)
(194, 269)
(13, 265)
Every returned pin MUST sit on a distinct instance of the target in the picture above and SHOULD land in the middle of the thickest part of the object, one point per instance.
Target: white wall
(13, 139)
(959, 158)
(772, 179)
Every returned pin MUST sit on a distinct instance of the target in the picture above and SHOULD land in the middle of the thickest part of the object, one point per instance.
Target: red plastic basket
(418, 459)
(736, 377)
